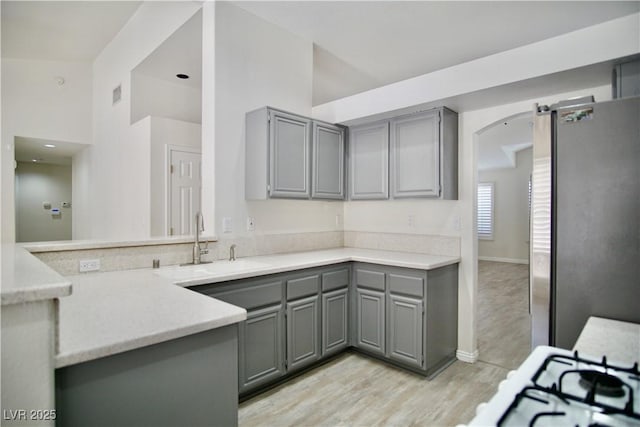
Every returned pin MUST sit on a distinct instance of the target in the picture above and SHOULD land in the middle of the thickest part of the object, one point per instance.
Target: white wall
(162, 132)
(35, 184)
(34, 105)
(510, 241)
(599, 43)
(120, 164)
(160, 98)
(81, 193)
(257, 64)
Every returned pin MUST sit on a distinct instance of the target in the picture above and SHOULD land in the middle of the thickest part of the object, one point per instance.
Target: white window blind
(485, 210)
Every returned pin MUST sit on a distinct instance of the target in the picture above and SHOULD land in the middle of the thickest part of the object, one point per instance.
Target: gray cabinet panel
(251, 295)
(370, 320)
(290, 159)
(302, 332)
(370, 279)
(369, 161)
(303, 286)
(328, 162)
(335, 279)
(406, 284)
(415, 155)
(188, 381)
(261, 347)
(335, 321)
(405, 330)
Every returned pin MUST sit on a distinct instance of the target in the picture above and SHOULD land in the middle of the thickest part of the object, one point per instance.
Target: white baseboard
(498, 259)
(465, 356)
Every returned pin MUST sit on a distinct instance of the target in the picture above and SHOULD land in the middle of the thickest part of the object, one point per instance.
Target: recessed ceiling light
(182, 76)
(49, 145)
(34, 160)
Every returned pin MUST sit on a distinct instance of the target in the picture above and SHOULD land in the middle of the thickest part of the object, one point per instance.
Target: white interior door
(185, 183)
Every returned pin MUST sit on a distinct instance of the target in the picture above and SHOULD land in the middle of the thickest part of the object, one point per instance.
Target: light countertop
(619, 341)
(117, 311)
(220, 271)
(26, 279)
(113, 312)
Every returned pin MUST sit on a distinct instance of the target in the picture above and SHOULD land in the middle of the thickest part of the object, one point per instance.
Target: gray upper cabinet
(293, 157)
(369, 161)
(415, 155)
(328, 161)
(277, 155)
(290, 157)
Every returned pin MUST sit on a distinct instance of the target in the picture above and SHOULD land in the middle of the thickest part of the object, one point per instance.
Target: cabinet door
(369, 161)
(328, 162)
(261, 347)
(370, 320)
(415, 155)
(289, 156)
(405, 330)
(303, 332)
(334, 321)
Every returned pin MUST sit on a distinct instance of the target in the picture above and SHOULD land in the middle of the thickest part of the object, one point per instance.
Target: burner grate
(595, 382)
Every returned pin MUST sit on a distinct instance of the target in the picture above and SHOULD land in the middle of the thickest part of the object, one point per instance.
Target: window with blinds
(485, 210)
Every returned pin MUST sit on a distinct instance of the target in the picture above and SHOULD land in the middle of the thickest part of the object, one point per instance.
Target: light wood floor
(354, 390)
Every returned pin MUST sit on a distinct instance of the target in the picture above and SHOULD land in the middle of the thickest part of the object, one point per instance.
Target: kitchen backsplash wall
(65, 262)
(402, 242)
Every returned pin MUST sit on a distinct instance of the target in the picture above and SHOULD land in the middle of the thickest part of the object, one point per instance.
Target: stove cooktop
(558, 387)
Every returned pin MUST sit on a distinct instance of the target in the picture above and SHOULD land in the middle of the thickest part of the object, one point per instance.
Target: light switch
(251, 224)
(227, 225)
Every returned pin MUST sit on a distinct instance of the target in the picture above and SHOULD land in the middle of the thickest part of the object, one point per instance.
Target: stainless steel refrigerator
(585, 217)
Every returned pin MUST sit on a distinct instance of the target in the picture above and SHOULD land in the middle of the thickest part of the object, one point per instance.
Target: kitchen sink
(213, 269)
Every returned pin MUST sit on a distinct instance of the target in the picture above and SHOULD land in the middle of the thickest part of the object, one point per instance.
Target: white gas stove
(556, 387)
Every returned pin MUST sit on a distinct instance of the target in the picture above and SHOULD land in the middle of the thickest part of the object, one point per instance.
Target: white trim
(467, 357)
(167, 180)
(500, 259)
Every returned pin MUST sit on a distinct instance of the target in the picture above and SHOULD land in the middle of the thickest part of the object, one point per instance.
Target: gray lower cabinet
(335, 321)
(370, 320)
(188, 381)
(369, 161)
(294, 319)
(261, 358)
(405, 330)
(407, 316)
(303, 331)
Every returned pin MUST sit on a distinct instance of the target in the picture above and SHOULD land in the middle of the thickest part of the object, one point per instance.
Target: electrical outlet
(251, 224)
(411, 221)
(89, 265)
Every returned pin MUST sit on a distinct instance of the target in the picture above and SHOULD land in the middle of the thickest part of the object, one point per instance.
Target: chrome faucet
(197, 250)
(232, 252)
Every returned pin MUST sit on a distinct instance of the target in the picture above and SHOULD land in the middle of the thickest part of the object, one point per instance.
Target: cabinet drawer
(370, 279)
(408, 285)
(298, 288)
(249, 297)
(335, 279)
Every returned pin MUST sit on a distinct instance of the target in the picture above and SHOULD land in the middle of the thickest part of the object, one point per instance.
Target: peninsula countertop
(26, 279)
(113, 312)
